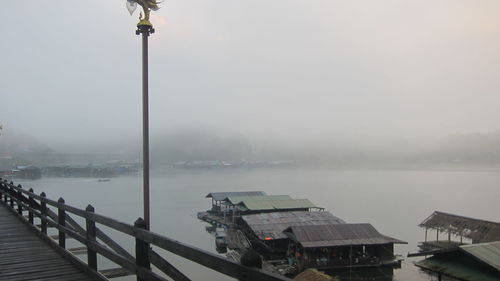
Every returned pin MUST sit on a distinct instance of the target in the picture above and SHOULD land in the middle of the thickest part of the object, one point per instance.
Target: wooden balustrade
(97, 242)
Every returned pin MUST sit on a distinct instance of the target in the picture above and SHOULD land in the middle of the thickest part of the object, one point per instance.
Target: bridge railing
(97, 242)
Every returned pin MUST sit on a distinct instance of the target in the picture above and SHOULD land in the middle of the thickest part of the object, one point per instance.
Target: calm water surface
(392, 201)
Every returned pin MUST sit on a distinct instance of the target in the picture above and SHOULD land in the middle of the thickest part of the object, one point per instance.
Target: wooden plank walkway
(24, 256)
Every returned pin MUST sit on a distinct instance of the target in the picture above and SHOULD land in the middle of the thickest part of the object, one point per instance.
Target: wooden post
(449, 237)
(4, 187)
(6, 192)
(91, 233)
(12, 192)
(31, 205)
(251, 258)
(141, 249)
(437, 235)
(426, 234)
(62, 222)
(19, 198)
(43, 217)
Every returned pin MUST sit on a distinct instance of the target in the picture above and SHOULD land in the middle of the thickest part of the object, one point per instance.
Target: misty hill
(465, 150)
(11, 143)
(477, 148)
(199, 145)
(17, 148)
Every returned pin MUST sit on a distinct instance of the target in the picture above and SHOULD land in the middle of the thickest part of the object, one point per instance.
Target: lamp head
(131, 6)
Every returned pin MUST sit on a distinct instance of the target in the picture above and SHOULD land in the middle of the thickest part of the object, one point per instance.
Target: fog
(300, 79)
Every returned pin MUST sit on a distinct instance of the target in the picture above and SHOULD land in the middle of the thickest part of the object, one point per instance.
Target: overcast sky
(70, 69)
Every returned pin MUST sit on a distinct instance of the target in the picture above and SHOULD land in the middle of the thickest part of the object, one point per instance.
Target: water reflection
(385, 273)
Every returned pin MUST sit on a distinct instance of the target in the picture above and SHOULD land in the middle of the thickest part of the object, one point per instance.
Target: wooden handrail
(114, 252)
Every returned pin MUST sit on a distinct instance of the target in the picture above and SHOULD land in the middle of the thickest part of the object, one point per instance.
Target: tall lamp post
(144, 28)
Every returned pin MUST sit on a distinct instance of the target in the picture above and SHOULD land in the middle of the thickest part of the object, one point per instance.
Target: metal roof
(458, 268)
(488, 253)
(233, 200)
(219, 196)
(475, 229)
(271, 225)
(275, 205)
(331, 235)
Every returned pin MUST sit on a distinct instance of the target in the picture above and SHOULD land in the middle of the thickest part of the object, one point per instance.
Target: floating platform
(212, 219)
(295, 233)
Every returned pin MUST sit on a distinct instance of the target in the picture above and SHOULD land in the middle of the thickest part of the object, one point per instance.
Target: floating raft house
(476, 230)
(273, 205)
(479, 231)
(342, 245)
(296, 230)
(219, 197)
(477, 262)
(267, 228)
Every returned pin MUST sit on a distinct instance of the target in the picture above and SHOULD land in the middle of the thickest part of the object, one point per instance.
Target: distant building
(27, 172)
(5, 173)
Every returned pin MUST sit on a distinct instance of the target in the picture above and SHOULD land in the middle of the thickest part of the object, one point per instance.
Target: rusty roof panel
(275, 205)
(330, 235)
(271, 225)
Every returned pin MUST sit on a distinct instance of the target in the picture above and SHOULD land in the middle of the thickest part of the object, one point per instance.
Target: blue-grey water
(394, 201)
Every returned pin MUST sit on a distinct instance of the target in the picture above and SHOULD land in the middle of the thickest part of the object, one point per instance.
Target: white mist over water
(393, 201)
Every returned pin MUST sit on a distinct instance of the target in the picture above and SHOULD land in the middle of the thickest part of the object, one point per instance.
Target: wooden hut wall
(385, 251)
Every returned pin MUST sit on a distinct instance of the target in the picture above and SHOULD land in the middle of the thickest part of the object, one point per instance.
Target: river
(393, 201)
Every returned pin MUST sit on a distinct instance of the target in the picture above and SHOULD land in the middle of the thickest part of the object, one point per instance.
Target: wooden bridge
(24, 256)
(27, 252)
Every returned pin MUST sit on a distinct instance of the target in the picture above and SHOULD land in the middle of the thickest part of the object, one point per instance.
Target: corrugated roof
(271, 225)
(488, 253)
(330, 235)
(475, 229)
(219, 196)
(458, 268)
(237, 199)
(275, 205)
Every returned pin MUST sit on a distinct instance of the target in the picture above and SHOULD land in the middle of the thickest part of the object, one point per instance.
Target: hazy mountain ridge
(475, 149)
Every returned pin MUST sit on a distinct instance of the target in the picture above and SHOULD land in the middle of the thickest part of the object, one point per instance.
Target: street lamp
(145, 28)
